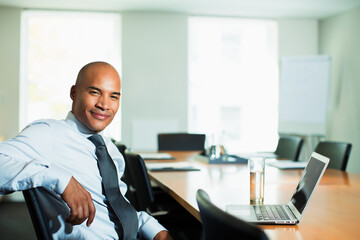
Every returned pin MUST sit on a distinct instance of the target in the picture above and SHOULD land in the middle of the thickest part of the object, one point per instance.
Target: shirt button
(52, 186)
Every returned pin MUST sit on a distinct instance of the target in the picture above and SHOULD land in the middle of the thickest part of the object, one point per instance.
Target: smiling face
(96, 96)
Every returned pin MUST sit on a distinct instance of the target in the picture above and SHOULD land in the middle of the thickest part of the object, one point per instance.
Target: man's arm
(163, 235)
(80, 202)
(26, 161)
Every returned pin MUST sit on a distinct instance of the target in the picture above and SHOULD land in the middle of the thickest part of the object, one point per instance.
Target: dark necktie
(123, 210)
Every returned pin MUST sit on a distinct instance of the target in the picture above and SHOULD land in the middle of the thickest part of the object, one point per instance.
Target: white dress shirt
(48, 153)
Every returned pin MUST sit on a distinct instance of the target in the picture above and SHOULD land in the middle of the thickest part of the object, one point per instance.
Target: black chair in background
(181, 142)
(338, 152)
(159, 204)
(140, 182)
(150, 199)
(289, 147)
(127, 177)
(218, 224)
(121, 147)
(45, 208)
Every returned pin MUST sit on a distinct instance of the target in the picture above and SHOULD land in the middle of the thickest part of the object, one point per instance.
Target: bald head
(96, 95)
(92, 68)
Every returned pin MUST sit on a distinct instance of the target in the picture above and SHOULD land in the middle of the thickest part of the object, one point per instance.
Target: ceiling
(236, 8)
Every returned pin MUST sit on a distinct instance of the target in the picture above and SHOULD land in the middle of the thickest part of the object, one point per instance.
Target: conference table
(332, 213)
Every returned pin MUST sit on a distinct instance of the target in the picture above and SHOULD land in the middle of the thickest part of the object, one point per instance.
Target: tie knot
(97, 140)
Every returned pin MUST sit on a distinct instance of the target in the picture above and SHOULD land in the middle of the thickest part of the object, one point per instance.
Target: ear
(72, 92)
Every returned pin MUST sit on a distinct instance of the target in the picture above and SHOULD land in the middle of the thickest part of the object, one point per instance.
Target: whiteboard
(145, 131)
(303, 94)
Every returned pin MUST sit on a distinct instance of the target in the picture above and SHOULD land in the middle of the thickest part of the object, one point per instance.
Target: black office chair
(45, 208)
(153, 200)
(159, 204)
(139, 181)
(338, 152)
(289, 147)
(121, 147)
(218, 224)
(181, 142)
(127, 177)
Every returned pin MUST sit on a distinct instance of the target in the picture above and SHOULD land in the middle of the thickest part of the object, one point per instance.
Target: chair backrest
(338, 152)
(140, 181)
(122, 147)
(218, 224)
(127, 177)
(46, 207)
(289, 147)
(181, 142)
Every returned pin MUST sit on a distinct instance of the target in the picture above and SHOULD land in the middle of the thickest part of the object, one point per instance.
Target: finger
(76, 217)
(85, 211)
(92, 211)
(73, 214)
(80, 217)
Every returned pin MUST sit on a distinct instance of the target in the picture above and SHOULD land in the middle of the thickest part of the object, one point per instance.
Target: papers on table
(156, 156)
(287, 164)
(257, 154)
(171, 166)
(224, 159)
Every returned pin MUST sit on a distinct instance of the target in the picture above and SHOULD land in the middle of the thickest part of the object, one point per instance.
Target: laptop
(292, 212)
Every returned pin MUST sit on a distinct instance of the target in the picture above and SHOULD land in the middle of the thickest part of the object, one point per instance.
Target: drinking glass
(257, 176)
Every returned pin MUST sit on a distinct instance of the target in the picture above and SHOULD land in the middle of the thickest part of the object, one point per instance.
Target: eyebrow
(98, 89)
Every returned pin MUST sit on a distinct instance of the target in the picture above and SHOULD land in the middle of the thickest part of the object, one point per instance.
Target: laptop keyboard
(270, 212)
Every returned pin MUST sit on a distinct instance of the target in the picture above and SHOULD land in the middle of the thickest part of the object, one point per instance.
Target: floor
(15, 222)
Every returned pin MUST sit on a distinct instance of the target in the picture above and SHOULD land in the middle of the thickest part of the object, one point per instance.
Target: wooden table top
(332, 212)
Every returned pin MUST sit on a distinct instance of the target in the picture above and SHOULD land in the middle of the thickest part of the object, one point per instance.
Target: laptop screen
(307, 183)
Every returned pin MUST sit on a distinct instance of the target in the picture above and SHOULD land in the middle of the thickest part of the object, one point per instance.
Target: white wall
(298, 37)
(10, 71)
(154, 77)
(340, 38)
(154, 71)
(10, 19)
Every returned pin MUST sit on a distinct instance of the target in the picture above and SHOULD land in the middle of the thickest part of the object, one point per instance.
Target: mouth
(99, 115)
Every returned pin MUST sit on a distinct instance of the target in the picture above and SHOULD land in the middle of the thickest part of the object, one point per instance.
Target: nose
(103, 103)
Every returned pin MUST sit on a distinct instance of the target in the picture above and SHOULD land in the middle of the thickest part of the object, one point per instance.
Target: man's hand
(80, 202)
(163, 235)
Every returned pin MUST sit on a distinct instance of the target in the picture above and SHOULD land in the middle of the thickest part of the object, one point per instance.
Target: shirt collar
(74, 123)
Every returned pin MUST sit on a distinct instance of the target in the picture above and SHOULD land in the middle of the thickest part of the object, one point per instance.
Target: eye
(114, 97)
(93, 92)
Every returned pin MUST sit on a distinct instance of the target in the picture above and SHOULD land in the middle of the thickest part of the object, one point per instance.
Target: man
(59, 156)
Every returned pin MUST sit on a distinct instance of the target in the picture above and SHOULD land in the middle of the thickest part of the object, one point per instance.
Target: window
(233, 82)
(55, 45)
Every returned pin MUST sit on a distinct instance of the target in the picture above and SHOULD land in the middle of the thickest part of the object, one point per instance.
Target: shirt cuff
(57, 179)
(149, 226)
